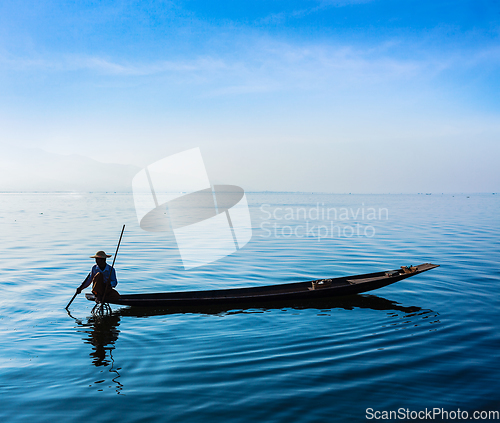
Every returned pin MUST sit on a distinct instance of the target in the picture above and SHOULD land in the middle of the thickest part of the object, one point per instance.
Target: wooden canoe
(320, 288)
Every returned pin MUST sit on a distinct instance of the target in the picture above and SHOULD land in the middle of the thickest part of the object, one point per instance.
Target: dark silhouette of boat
(320, 288)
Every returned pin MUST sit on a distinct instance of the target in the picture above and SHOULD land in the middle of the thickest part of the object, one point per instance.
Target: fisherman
(103, 279)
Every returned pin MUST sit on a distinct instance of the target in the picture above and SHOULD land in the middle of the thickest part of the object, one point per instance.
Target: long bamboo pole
(112, 266)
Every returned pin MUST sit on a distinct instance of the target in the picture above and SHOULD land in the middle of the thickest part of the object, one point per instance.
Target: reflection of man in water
(103, 278)
(103, 336)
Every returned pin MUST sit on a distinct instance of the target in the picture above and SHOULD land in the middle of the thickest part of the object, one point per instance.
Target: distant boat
(320, 288)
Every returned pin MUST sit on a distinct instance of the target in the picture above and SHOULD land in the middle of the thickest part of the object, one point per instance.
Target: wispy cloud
(108, 66)
(317, 6)
(266, 65)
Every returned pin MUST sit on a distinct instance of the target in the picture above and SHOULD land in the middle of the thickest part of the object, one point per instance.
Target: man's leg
(98, 287)
(112, 294)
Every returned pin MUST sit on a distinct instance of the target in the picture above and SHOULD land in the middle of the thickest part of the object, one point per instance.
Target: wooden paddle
(76, 293)
(113, 265)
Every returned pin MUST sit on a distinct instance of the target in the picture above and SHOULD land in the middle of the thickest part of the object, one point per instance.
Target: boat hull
(321, 288)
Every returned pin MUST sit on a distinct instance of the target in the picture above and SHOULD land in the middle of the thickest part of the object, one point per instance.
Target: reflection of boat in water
(311, 290)
(101, 331)
(350, 302)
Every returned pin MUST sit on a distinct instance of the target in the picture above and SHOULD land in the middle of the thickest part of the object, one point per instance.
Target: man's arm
(112, 278)
(85, 283)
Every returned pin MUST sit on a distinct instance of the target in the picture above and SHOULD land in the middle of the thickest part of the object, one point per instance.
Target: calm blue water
(430, 341)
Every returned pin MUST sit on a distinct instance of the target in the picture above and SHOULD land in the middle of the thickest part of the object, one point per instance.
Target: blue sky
(279, 95)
